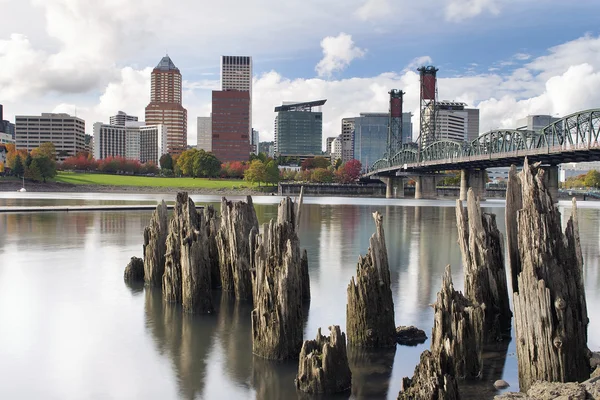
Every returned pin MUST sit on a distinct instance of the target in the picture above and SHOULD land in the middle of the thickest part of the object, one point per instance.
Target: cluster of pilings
(548, 295)
(197, 252)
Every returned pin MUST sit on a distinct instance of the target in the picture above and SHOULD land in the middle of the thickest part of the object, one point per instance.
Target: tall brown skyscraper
(230, 121)
(165, 105)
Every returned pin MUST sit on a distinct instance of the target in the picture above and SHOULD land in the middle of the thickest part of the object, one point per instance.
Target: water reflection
(63, 302)
(371, 371)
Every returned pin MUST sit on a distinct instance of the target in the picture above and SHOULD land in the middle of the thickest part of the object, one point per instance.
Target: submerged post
(370, 308)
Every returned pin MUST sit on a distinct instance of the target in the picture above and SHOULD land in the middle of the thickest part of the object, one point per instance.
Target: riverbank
(14, 185)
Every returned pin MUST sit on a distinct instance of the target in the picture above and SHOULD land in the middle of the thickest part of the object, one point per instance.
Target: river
(70, 328)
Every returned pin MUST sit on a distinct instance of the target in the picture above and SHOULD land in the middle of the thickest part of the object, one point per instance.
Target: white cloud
(374, 9)
(522, 56)
(458, 10)
(418, 62)
(338, 53)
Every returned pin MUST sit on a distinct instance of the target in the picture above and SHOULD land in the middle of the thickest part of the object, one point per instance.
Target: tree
(166, 161)
(321, 175)
(18, 168)
(45, 166)
(28, 160)
(592, 178)
(272, 172)
(185, 162)
(33, 171)
(338, 163)
(205, 164)
(257, 172)
(348, 172)
(46, 149)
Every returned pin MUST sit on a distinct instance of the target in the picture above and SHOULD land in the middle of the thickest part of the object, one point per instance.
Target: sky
(509, 58)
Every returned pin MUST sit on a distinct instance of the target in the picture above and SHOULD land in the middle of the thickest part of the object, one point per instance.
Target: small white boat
(23, 188)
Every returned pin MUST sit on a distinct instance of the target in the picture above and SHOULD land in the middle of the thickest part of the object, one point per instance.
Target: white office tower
(134, 141)
(122, 118)
(236, 74)
(204, 131)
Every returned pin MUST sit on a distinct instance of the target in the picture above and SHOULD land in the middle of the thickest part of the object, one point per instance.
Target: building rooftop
(166, 64)
(306, 106)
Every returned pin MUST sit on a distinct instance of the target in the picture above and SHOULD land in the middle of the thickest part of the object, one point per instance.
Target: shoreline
(36, 187)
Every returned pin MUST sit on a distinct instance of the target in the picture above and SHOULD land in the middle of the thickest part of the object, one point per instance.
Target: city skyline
(92, 68)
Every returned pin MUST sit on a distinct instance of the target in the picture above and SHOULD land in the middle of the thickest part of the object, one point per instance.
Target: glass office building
(299, 129)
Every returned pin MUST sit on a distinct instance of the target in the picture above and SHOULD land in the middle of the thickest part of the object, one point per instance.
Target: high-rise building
(347, 139)
(230, 118)
(255, 141)
(455, 122)
(236, 74)
(328, 143)
(336, 149)
(204, 132)
(267, 148)
(5, 138)
(121, 118)
(165, 105)
(67, 133)
(134, 141)
(299, 129)
(370, 135)
(535, 122)
(6, 126)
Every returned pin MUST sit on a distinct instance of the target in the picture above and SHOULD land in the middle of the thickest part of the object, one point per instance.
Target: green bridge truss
(574, 133)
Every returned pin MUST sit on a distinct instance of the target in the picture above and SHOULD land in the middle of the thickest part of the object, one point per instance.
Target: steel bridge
(574, 138)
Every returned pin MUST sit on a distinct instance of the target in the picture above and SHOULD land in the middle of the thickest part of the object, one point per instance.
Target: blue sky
(507, 57)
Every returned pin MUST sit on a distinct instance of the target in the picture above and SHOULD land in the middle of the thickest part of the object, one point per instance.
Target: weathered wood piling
(213, 223)
(277, 319)
(458, 330)
(480, 243)
(550, 308)
(456, 347)
(155, 245)
(238, 221)
(323, 367)
(188, 268)
(370, 308)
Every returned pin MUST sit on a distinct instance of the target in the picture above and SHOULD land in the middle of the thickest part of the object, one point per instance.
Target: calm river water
(71, 329)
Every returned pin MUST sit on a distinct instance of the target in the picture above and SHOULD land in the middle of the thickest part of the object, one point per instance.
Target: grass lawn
(148, 181)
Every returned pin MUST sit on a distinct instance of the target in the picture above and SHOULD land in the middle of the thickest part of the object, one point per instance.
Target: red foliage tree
(348, 172)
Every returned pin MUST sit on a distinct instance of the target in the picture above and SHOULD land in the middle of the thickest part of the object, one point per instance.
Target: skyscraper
(165, 105)
(299, 130)
(230, 141)
(204, 138)
(236, 74)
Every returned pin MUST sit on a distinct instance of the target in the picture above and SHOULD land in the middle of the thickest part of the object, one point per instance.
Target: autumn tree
(321, 175)
(46, 149)
(256, 173)
(348, 172)
(592, 179)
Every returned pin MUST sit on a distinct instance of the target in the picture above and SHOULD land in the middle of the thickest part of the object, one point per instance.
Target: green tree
(256, 173)
(166, 161)
(205, 164)
(272, 172)
(33, 171)
(28, 160)
(46, 167)
(338, 163)
(592, 178)
(18, 168)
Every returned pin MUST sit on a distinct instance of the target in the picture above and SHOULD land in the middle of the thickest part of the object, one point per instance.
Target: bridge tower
(394, 139)
(428, 120)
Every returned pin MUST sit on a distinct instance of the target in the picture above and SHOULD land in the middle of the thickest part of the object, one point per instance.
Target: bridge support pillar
(394, 187)
(464, 184)
(551, 180)
(425, 187)
(476, 181)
